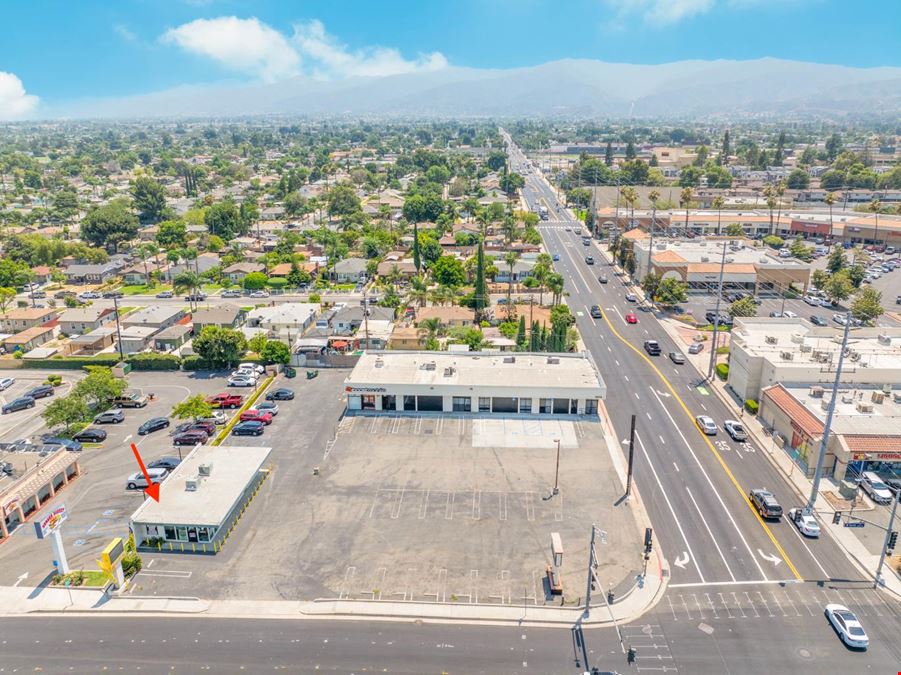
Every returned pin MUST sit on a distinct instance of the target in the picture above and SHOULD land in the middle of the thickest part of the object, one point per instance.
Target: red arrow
(153, 489)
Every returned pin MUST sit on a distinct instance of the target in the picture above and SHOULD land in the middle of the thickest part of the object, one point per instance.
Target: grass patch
(141, 289)
(722, 350)
(126, 310)
(82, 578)
(211, 288)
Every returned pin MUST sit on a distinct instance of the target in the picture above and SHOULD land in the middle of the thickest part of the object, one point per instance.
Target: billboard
(50, 522)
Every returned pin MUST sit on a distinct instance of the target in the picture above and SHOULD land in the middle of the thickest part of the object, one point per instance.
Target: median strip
(248, 404)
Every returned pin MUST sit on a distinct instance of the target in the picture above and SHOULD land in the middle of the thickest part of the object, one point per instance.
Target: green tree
(13, 273)
(66, 411)
(521, 334)
(448, 270)
(220, 347)
(798, 179)
(7, 295)
(839, 287)
(192, 408)
(149, 198)
(744, 307)
(296, 276)
(172, 234)
(497, 160)
(608, 154)
(224, 220)
(99, 386)
(671, 291)
(257, 343)
(734, 230)
(343, 201)
(254, 281)
(801, 251)
(110, 225)
(480, 298)
(836, 260)
(276, 351)
(650, 284)
(417, 255)
(187, 281)
(867, 306)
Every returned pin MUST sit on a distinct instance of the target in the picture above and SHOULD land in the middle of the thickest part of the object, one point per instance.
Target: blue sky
(55, 51)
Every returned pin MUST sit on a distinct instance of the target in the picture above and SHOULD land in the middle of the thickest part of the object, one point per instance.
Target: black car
(596, 312)
(70, 445)
(248, 428)
(195, 297)
(589, 260)
(21, 403)
(652, 347)
(167, 463)
(153, 424)
(90, 435)
(280, 394)
(40, 391)
(113, 294)
(818, 321)
(725, 319)
(192, 437)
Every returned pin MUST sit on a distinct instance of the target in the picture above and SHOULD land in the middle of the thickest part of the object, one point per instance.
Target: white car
(812, 301)
(805, 522)
(260, 294)
(879, 492)
(252, 367)
(6, 382)
(847, 626)
(706, 424)
(231, 294)
(789, 315)
(736, 430)
(137, 480)
(241, 381)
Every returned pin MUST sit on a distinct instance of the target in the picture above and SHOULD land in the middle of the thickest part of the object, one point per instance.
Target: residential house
(283, 269)
(238, 271)
(349, 318)
(203, 263)
(91, 274)
(225, 315)
(403, 268)
(406, 338)
(29, 338)
(378, 332)
(80, 320)
(40, 274)
(136, 338)
(287, 320)
(451, 316)
(91, 343)
(350, 270)
(154, 316)
(26, 317)
(521, 270)
(171, 338)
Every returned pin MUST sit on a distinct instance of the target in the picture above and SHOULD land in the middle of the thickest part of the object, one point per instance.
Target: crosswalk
(652, 650)
(791, 601)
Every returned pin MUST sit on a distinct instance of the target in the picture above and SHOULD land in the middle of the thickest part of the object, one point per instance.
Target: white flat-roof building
(765, 351)
(477, 382)
(201, 499)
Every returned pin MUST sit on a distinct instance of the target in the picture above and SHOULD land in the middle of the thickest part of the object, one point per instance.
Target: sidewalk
(853, 547)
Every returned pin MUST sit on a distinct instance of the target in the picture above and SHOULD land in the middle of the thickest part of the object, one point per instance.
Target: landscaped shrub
(194, 363)
(722, 370)
(752, 406)
(155, 361)
(73, 362)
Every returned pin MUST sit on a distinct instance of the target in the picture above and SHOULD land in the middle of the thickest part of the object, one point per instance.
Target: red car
(253, 415)
(226, 400)
(631, 318)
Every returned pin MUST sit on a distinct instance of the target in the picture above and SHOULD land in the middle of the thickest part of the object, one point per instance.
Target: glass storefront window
(525, 405)
(484, 404)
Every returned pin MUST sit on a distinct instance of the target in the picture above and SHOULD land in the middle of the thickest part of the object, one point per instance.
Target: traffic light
(892, 540)
(836, 517)
(648, 542)
(630, 655)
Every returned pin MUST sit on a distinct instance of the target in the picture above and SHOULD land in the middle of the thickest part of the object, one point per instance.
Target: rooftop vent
(379, 363)
(552, 360)
(804, 348)
(509, 359)
(771, 340)
(864, 407)
(877, 397)
(448, 372)
(786, 356)
(884, 339)
(428, 365)
(816, 392)
(191, 484)
(797, 338)
(205, 469)
(704, 259)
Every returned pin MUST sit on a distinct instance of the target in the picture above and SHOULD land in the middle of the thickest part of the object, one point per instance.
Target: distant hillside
(569, 87)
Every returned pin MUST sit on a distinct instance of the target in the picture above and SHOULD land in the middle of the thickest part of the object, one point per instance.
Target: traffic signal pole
(888, 536)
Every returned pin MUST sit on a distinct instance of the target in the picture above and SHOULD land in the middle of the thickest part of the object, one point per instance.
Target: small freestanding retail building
(201, 499)
(475, 382)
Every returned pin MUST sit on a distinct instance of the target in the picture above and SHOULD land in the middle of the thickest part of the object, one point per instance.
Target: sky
(56, 51)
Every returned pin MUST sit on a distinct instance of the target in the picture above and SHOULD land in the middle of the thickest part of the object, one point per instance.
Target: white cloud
(124, 32)
(331, 58)
(244, 45)
(14, 102)
(661, 12)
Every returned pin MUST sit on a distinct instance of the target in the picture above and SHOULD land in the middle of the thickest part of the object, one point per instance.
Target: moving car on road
(676, 358)
(231, 293)
(153, 424)
(603, 279)
(589, 260)
(706, 424)
(631, 297)
(847, 626)
(596, 312)
(765, 503)
(165, 294)
(652, 347)
(631, 318)
(736, 430)
(805, 522)
(21, 403)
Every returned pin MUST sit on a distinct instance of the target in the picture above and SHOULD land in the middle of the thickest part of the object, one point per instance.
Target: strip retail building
(475, 382)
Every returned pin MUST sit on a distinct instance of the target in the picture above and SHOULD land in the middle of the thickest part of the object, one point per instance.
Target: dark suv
(192, 437)
(40, 391)
(765, 503)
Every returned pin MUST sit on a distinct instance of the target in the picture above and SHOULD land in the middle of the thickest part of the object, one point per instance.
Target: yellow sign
(112, 554)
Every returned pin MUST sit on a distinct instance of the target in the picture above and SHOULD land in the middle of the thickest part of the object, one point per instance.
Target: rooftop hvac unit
(704, 259)
(877, 397)
(884, 339)
(771, 339)
(730, 260)
(448, 372)
(854, 356)
(430, 365)
(805, 348)
(816, 392)
(205, 469)
(787, 356)
(191, 485)
(379, 363)
(552, 360)
(886, 388)
(509, 359)
(864, 407)
(847, 398)
(824, 404)
(797, 338)
(897, 396)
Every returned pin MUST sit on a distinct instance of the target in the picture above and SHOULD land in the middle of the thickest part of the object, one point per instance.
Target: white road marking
(670, 506)
(826, 575)
(626, 378)
(710, 483)
(648, 414)
(676, 466)
(710, 532)
(637, 396)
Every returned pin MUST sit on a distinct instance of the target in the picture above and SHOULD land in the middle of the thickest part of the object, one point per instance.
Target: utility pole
(651, 241)
(888, 535)
(828, 426)
(592, 566)
(118, 329)
(557, 470)
(366, 317)
(631, 457)
(716, 319)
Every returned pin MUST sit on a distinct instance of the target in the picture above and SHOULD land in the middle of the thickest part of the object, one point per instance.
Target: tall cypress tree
(481, 290)
(608, 154)
(417, 258)
(521, 334)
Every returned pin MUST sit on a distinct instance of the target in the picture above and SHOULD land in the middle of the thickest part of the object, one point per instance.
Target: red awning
(338, 344)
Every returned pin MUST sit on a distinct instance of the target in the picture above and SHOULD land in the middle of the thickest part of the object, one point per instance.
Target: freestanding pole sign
(111, 561)
(48, 527)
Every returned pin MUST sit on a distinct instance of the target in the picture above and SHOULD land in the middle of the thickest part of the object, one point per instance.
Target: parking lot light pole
(716, 319)
(557, 470)
(828, 425)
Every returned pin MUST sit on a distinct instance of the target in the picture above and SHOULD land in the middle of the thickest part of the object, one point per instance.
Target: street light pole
(828, 425)
(888, 533)
(716, 319)
(557, 470)
(118, 328)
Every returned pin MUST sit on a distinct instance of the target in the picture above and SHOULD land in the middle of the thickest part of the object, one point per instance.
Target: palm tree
(419, 291)
(718, 203)
(190, 281)
(429, 328)
(684, 201)
(555, 286)
(780, 190)
(443, 295)
(510, 258)
(873, 207)
(770, 195)
(829, 200)
(630, 196)
(190, 253)
(540, 274)
(173, 257)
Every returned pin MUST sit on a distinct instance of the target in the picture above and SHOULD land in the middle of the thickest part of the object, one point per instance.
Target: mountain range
(567, 88)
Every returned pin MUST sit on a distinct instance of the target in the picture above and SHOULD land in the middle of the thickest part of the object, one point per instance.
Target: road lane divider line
(710, 532)
(712, 449)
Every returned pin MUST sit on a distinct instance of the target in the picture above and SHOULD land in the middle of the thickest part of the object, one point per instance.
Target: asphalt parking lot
(445, 508)
(27, 423)
(98, 502)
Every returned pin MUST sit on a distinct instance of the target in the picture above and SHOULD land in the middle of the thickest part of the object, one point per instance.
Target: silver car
(706, 424)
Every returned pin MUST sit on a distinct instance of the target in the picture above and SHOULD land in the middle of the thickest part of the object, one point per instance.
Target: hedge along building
(475, 382)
